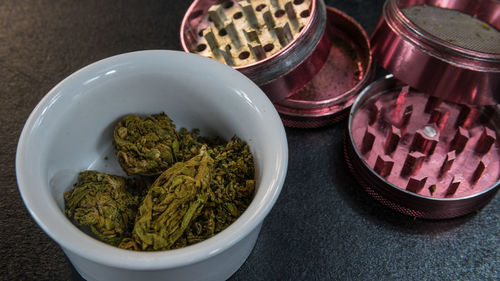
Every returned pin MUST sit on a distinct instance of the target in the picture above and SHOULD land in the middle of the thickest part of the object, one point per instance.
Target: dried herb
(129, 244)
(190, 143)
(432, 189)
(149, 145)
(146, 145)
(232, 186)
(174, 200)
(204, 185)
(231, 191)
(104, 203)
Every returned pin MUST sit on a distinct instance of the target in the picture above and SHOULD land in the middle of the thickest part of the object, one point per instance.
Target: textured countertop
(323, 226)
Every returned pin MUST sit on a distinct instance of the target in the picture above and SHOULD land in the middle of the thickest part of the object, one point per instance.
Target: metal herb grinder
(425, 141)
(293, 49)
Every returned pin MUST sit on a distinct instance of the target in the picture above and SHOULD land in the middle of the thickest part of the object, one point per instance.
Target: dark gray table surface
(323, 226)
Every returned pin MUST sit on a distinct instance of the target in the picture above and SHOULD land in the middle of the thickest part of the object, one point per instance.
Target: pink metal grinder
(326, 99)
(431, 156)
(311, 61)
(421, 156)
(451, 55)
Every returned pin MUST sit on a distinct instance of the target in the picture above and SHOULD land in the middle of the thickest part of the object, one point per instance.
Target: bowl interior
(71, 130)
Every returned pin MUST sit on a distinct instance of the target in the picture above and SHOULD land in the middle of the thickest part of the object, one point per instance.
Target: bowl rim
(99, 252)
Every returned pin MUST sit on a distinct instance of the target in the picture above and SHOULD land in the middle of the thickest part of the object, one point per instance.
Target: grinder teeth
(415, 184)
(413, 142)
(392, 140)
(243, 32)
(486, 141)
(448, 162)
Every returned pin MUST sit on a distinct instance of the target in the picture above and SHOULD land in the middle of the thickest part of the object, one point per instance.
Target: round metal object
(348, 69)
(422, 156)
(448, 49)
(281, 74)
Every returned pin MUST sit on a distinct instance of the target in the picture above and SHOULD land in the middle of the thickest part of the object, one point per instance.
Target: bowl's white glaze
(71, 130)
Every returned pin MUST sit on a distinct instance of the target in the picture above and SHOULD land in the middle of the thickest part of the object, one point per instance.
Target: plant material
(204, 185)
(149, 145)
(104, 203)
(231, 190)
(175, 199)
(190, 143)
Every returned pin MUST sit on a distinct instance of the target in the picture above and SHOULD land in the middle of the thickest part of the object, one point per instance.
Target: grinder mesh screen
(456, 27)
(242, 32)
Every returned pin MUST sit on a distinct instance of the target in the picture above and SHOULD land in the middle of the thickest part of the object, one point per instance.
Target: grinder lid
(447, 49)
(313, 79)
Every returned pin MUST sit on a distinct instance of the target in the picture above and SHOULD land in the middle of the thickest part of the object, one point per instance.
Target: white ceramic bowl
(71, 130)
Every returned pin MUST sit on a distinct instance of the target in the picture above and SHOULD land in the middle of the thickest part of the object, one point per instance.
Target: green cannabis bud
(104, 204)
(233, 182)
(185, 188)
(174, 200)
(189, 143)
(149, 145)
(146, 145)
(231, 190)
